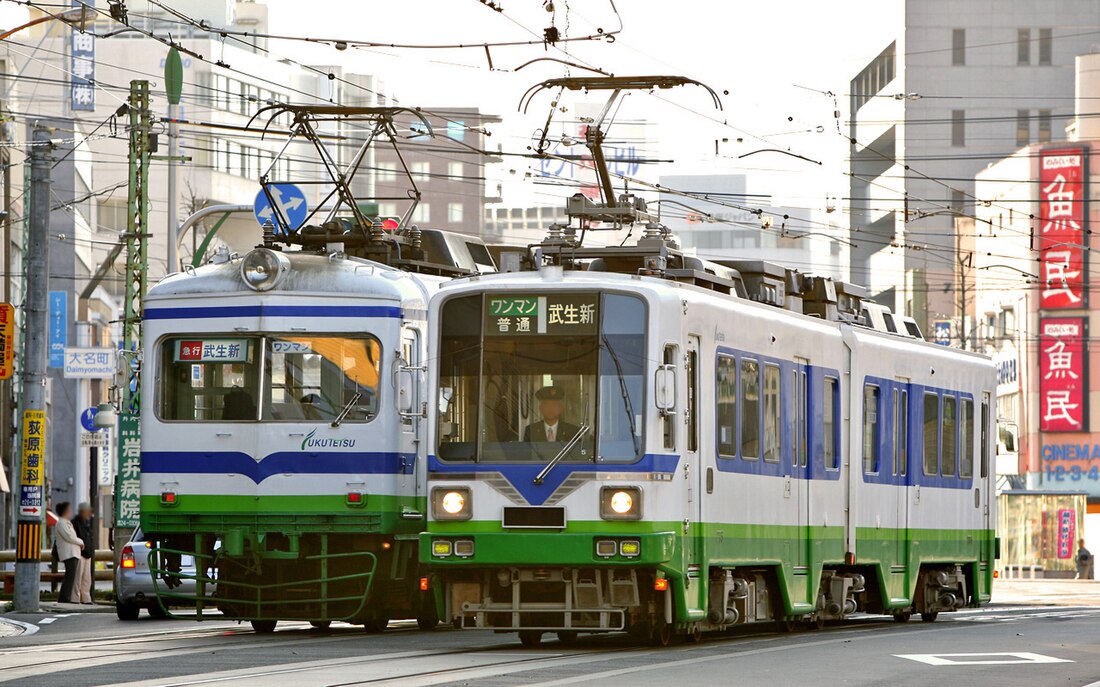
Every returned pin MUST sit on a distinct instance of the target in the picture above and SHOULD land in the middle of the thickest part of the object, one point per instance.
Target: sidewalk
(1047, 592)
(55, 607)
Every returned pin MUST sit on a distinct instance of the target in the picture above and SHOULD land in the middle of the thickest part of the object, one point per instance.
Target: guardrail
(46, 556)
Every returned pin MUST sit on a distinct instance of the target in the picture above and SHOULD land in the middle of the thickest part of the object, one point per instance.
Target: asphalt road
(997, 645)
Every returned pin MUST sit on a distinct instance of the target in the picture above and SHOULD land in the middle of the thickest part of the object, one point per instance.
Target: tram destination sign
(555, 314)
(212, 350)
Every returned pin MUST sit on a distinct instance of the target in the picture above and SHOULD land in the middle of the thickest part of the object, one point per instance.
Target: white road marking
(982, 659)
(46, 621)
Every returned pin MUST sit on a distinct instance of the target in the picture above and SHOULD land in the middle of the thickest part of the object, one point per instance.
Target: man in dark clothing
(85, 575)
(551, 427)
(1084, 561)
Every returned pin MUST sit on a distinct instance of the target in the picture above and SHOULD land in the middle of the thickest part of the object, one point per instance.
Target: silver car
(134, 584)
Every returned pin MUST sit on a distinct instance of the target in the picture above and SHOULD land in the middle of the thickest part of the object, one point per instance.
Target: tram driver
(551, 428)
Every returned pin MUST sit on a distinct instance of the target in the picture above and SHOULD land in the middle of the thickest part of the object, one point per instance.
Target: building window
(1023, 128)
(454, 212)
(422, 213)
(1046, 47)
(1044, 126)
(958, 201)
(387, 171)
(958, 47)
(454, 170)
(420, 170)
(958, 128)
(1023, 46)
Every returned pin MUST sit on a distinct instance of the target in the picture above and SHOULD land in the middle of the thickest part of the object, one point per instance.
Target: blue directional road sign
(942, 332)
(87, 419)
(291, 201)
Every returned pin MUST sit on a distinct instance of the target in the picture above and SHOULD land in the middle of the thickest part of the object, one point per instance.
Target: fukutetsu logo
(311, 441)
(308, 437)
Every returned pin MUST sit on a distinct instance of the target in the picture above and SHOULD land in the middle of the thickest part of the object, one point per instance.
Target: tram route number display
(565, 314)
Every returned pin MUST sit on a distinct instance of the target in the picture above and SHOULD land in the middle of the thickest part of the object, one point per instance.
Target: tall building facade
(957, 85)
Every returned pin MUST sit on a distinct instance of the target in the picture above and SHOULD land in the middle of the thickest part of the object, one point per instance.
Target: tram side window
(726, 391)
(871, 399)
(931, 434)
(772, 414)
(801, 413)
(691, 372)
(901, 431)
(950, 441)
(966, 430)
(750, 409)
(829, 409)
(209, 379)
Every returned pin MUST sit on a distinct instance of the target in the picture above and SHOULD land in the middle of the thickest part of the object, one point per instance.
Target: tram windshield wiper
(347, 409)
(561, 454)
(627, 404)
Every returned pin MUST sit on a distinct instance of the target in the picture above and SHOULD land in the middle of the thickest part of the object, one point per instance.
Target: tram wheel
(662, 634)
(903, 616)
(929, 617)
(530, 638)
(320, 624)
(819, 622)
(568, 636)
(788, 625)
(696, 634)
(264, 626)
(376, 625)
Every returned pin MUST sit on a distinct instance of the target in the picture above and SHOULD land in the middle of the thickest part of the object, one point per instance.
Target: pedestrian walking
(1084, 561)
(85, 577)
(68, 549)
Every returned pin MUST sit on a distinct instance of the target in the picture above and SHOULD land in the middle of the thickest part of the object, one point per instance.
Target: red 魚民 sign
(1062, 229)
(1062, 378)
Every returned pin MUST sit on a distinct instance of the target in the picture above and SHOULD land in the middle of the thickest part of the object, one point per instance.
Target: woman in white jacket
(68, 549)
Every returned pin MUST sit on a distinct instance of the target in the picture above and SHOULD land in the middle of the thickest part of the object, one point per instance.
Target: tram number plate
(525, 516)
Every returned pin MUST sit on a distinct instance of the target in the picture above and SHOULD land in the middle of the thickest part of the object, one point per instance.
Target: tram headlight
(621, 503)
(263, 269)
(451, 504)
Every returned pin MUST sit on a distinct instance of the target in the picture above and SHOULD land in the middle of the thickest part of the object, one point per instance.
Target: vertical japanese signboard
(128, 499)
(1062, 231)
(1067, 529)
(7, 340)
(82, 67)
(33, 464)
(59, 327)
(1063, 381)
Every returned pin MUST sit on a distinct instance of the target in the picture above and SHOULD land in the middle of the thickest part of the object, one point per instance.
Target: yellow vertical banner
(31, 476)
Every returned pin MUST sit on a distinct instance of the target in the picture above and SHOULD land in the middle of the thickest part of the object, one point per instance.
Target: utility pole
(31, 476)
(137, 267)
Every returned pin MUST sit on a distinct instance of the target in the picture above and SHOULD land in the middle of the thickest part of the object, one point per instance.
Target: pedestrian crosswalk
(1021, 614)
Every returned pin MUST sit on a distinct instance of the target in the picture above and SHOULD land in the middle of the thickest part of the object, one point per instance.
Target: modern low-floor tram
(743, 450)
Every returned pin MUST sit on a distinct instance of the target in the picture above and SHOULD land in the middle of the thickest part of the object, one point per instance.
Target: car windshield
(301, 377)
(523, 375)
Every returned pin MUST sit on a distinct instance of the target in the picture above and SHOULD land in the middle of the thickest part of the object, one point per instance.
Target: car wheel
(264, 626)
(127, 611)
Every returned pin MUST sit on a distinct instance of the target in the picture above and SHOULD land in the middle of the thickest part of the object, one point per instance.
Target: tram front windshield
(274, 378)
(529, 377)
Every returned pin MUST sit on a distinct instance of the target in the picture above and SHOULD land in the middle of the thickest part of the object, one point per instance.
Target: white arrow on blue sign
(290, 200)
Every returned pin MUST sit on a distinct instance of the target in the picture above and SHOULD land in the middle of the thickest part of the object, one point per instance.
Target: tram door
(900, 469)
(409, 482)
(801, 466)
(692, 470)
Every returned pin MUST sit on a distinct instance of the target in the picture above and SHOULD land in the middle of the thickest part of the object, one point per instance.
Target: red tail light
(168, 498)
(660, 584)
(128, 557)
(423, 584)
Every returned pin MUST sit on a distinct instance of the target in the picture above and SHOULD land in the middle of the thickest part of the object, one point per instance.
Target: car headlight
(451, 504)
(621, 503)
(262, 269)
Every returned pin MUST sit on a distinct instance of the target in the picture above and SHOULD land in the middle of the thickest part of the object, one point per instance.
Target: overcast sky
(760, 52)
